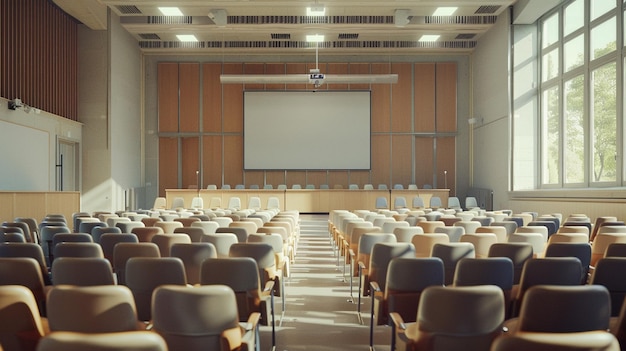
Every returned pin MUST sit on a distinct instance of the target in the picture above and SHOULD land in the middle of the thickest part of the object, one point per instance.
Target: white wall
(110, 101)
(490, 71)
(26, 125)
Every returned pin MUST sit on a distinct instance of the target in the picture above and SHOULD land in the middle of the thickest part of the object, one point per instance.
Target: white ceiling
(280, 26)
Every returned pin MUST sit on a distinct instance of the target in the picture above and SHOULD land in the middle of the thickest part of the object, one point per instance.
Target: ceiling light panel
(170, 11)
(187, 37)
(445, 11)
(315, 38)
(429, 37)
(316, 10)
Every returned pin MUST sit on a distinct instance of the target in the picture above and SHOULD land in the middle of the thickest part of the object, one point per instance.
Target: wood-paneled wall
(201, 125)
(39, 56)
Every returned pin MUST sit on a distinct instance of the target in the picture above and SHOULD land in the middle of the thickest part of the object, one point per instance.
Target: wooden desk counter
(308, 200)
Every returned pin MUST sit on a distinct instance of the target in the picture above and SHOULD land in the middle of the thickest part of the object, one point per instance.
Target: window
(579, 120)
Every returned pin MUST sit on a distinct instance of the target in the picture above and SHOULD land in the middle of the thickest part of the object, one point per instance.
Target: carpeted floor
(318, 314)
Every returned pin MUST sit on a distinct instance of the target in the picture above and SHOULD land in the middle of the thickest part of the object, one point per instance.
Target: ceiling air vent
(465, 36)
(170, 19)
(487, 9)
(281, 36)
(128, 9)
(348, 36)
(149, 36)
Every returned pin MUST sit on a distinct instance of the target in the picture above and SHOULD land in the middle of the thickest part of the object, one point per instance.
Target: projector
(317, 79)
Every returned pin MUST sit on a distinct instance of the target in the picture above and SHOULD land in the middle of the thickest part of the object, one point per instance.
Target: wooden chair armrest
(269, 286)
(375, 287)
(253, 321)
(397, 320)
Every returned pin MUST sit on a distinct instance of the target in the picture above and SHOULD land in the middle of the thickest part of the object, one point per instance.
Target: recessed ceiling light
(429, 37)
(171, 11)
(186, 37)
(315, 38)
(316, 10)
(445, 11)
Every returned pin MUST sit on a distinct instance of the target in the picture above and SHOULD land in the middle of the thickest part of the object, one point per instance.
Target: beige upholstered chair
(452, 318)
(144, 274)
(165, 242)
(481, 242)
(583, 341)
(201, 318)
(424, 243)
(24, 271)
(31, 250)
(21, 325)
(82, 271)
(193, 255)
(450, 254)
(124, 251)
(92, 309)
(122, 341)
(602, 241)
(145, 234)
(168, 226)
(221, 241)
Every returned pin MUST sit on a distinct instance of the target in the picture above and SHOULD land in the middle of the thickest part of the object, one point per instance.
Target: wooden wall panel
(401, 97)
(360, 178)
(39, 56)
(189, 160)
(316, 178)
(424, 97)
(359, 68)
(212, 160)
(338, 179)
(211, 97)
(232, 108)
(296, 68)
(275, 178)
(189, 90)
(254, 178)
(446, 97)
(424, 161)
(296, 177)
(233, 159)
(253, 68)
(446, 161)
(336, 68)
(381, 159)
(381, 100)
(168, 97)
(168, 164)
(401, 166)
(275, 68)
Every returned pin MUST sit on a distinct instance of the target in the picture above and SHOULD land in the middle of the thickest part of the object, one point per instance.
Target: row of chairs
(464, 250)
(322, 186)
(434, 203)
(105, 318)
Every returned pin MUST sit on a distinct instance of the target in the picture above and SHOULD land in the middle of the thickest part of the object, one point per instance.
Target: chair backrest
(454, 202)
(565, 309)
(461, 318)
(406, 280)
(381, 202)
(471, 202)
(78, 249)
(353, 186)
(24, 271)
(109, 240)
(602, 241)
(296, 186)
(608, 273)
(399, 202)
(594, 340)
(196, 318)
(382, 254)
(518, 253)
(208, 227)
(262, 253)
(239, 273)
(165, 242)
(91, 309)
(195, 233)
(424, 243)
(123, 341)
(221, 241)
(580, 250)
(417, 202)
(97, 232)
(470, 226)
(405, 234)
(368, 187)
(82, 271)
(273, 203)
(482, 242)
(254, 203)
(537, 240)
(144, 274)
(193, 255)
(450, 254)
(125, 250)
(382, 186)
(435, 202)
(21, 326)
(31, 250)
(547, 271)
(615, 250)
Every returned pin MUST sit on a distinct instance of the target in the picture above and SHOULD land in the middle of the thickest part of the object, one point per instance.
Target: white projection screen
(306, 130)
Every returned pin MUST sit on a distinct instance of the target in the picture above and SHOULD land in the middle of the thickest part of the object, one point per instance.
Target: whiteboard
(306, 130)
(24, 158)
